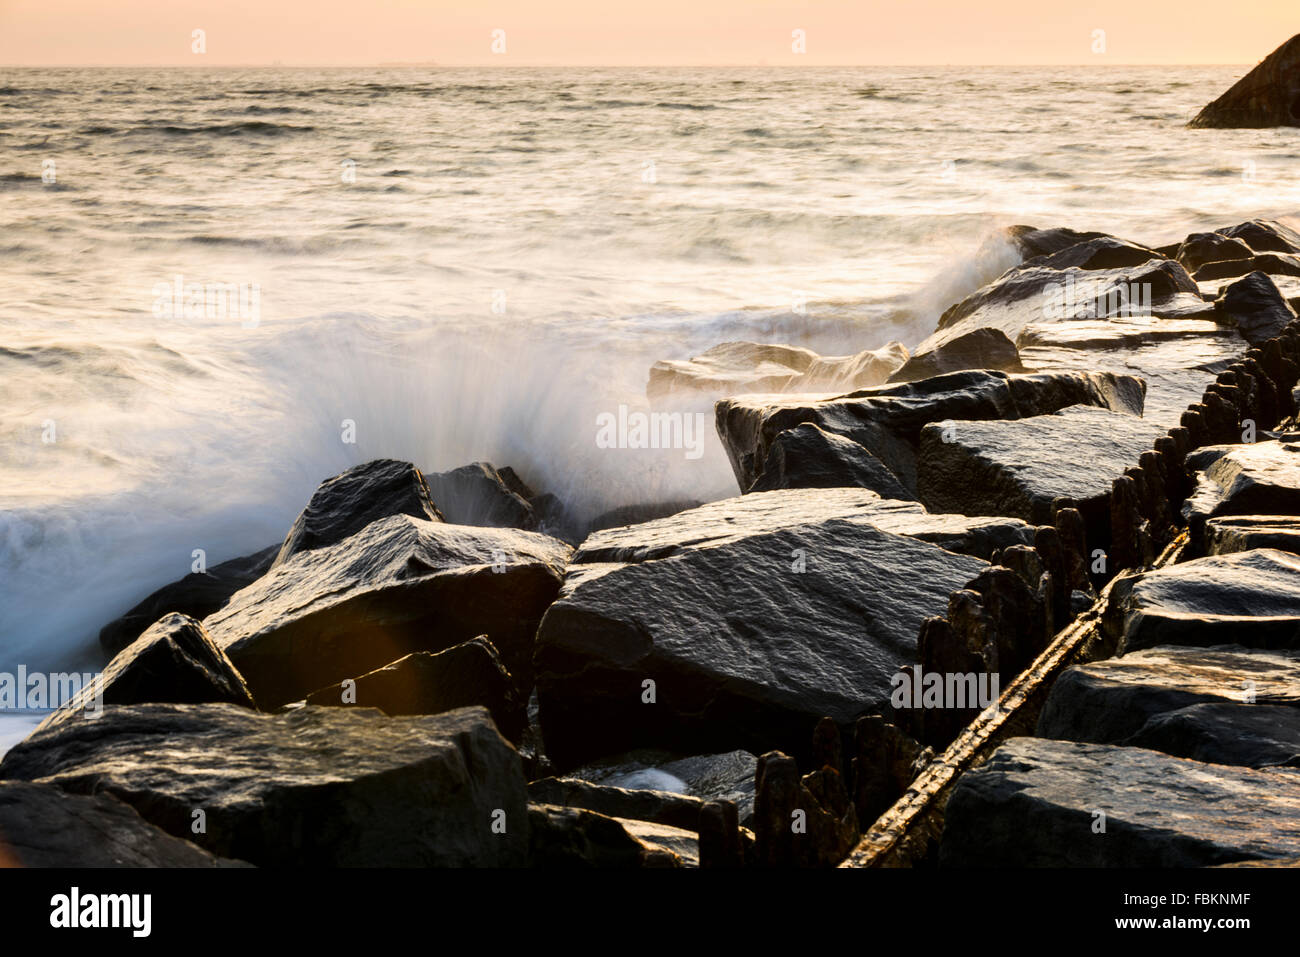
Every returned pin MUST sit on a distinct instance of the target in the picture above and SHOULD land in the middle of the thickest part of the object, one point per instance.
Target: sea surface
(474, 264)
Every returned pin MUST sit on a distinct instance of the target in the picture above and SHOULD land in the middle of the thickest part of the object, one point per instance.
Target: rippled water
(518, 246)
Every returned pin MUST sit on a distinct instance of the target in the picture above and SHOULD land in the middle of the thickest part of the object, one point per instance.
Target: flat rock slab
(44, 826)
(313, 787)
(1105, 702)
(887, 420)
(398, 586)
(1262, 478)
(736, 625)
(1241, 533)
(639, 804)
(1020, 468)
(1035, 803)
(175, 662)
(1247, 598)
(1256, 736)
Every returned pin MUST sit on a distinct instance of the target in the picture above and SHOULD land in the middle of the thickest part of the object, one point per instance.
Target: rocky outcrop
(1022, 468)
(570, 838)
(978, 349)
(887, 421)
(656, 807)
(314, 787)
(1254, 479)
(808, 457)
(1040, 803)
(400, 585)
(348, 502)
(1254, 736)
(801, 821)
(736, 368)
(1249, 598)
(43, 826)
(175, 662)
(1223, 536)
(1268, 95)
(423, 683)
(1255, 306)
(198, 595)
(734, 625)
(1201, 248)
(477, 494)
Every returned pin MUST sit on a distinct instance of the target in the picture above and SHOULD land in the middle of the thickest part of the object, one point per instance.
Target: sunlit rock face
(1268, 95)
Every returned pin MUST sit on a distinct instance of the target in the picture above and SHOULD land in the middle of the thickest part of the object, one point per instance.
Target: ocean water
(474, 264)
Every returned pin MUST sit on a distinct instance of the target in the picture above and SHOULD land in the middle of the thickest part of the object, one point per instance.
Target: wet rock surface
(1258, 479)
(1242, 533)
(312, 787)
(477, 494)
(1268, 95)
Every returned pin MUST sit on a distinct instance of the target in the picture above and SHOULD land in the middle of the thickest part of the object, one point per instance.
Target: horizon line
(416, 65)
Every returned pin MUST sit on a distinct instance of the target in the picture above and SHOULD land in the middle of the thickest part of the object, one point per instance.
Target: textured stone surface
(322, 787)
(43, 826)
(808, 457)
(1268, 95)
(1256, 307)
(176, 662)
(1034, 804)
(477, 494)
(569, 838)
(753, 618)
(1255, 736)
(398, 586)
(1241, 533)
(1256, 479)
(728, 776)
(977, 349)
(658, 807)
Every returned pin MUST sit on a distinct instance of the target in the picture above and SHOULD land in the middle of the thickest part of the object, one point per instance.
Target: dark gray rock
(977, 349)
(313, 787)
(198, 595)
(807, 457)
(887, 420)
(1248, 598)
(1020, 468)
(1201, 248)
(467, 674)
(1108, 701)
(477, 494)
(174, 662)
(1256, 307)
(1266, 236)
(1262, 478)
(1098, 252)
(568, 838)
(43, 826)
(638, 514)
(1268, 95)
(751, 618)
(348, 502)
(1033, 242)
(657, 807)
(1255, 736)
(1036, 803)
(1241, 533)
(710, 777)
(398, 586)
(1271, 264)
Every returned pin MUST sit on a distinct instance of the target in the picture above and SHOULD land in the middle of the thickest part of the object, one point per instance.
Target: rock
(1271, 264)
(1036, 803)
(1097, 252)
(1021, 468)
(313, 787)
(807, 457)
(1249, 598)
(637, 514)
(198, 595)
(422, 683)
(745, 620)
(1268, 95)
(1255, 736)
(174, 662)
(477, 494)
(656, 807)
(886, 761)
(1201, 248)
(1108, 701)
(710, 777)
(887, 420)
(664, 842)
(1255, 479)
(1032, 242)
(42, 826)
(734, 368)
(348, 502)
(1256, 307)
(801, 822)
(1266, 236)
(720, 842)
(569, 838)
(1223, 536)
(398, 586)
(978, 349)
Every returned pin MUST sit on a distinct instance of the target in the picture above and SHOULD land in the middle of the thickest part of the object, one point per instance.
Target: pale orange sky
(627, 32)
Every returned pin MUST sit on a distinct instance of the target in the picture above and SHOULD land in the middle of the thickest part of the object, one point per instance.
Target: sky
(631, 33)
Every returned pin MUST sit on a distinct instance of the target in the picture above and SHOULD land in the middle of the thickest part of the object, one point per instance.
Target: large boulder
(398, 586)
(887, 421)
(1040, 803)
(1106, 702)
(809, 457)
(977, 349)
(198, 595)
(1255, 736)
(736, 368)
(735, 625)
(313, 787)
(431, 683)
(1248, 598)
(1021, 468)
(477, 494)
(1256, 307)
(1268, 95)
(175, 662)
(1201, 248)
(570, 838)
(1261, 478)
(1265, 236)
(44, 826)
(351, 500)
